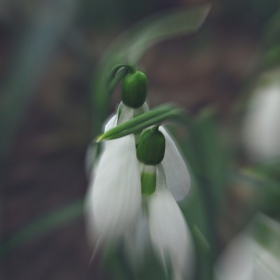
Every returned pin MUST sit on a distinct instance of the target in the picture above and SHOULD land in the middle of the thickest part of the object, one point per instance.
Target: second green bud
(151, 147)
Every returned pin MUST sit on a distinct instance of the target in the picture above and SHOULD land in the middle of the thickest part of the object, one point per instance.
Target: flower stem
(119, 67)
(115, 80)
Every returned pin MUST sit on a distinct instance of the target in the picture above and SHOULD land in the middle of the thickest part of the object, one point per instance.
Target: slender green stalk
(119, 76)
(117, 67)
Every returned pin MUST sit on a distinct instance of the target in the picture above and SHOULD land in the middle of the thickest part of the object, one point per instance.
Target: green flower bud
(151, 147)
(134, 89)
(148, 179)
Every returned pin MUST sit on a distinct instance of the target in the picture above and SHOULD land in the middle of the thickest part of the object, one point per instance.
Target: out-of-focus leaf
(43, 225)
(208, 162)
(131, 46)
(266, 232)
(33, 57)
(271, 58)
(271, 198)
(196, 214)
(209, 155)
(271, 31)
(268, 175)
(264, 181)
(270, 170)
(271, 43)
(117, 260)
(198, 210)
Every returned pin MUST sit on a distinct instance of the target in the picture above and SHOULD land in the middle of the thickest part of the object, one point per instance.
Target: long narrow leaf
(131, 46)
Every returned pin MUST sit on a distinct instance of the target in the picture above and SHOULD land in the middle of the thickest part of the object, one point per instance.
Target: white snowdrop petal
(169, 233)
(114, 199)
(91, 162)
(111, 123)
(145, 107)
(176, 172)
(137, 241)
(142, 109)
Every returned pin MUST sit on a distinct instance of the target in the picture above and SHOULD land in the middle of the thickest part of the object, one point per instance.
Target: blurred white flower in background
(261, 131)
(254, 254)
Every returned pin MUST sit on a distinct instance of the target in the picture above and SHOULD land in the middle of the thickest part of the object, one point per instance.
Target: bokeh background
(49, 51)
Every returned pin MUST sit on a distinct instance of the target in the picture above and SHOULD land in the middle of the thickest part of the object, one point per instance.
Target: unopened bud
(134, 89)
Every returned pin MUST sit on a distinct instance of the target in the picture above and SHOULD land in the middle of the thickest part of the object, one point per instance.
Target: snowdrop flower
(114, 198)
(140, 169)
(177, 175)
(253, 254)
(168, 230)
(261, 131)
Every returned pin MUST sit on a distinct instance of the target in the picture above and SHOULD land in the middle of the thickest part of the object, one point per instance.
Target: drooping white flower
(176, 171)
(261, 131)
(168, 230)
(114, 198)
(113, 201)
(162, 226)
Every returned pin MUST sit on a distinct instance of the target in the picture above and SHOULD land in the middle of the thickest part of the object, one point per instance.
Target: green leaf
(142, 121)
(43, 225)
(131, 46)
(32, 60)
(209, 155)
(208, 163)
(266, 232)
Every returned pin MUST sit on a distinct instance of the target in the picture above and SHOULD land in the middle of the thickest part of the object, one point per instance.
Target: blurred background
(49, 52)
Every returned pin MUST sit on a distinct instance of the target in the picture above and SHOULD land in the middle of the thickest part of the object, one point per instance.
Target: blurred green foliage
(208, 156)
(109, 12)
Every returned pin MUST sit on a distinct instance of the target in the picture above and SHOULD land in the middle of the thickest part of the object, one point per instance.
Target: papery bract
(176, 172)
